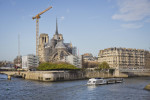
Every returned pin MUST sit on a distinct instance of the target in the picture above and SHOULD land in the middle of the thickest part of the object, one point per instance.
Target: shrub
(56, 66)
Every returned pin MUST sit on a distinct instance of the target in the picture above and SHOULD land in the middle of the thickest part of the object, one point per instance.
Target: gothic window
(42, 39)
(45, 39)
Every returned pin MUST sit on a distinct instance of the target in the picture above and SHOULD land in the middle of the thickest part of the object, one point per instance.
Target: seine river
(20, 89)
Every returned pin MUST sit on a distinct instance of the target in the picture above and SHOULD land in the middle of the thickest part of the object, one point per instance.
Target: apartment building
(30, 61)
(125, 57)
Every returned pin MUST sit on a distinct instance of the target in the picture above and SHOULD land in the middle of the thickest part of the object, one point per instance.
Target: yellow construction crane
(37, 17)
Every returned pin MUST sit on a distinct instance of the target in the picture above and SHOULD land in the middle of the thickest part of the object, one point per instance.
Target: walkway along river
(20, 89)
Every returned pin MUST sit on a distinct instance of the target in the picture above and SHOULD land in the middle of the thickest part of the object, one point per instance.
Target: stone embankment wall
(65, 75)
(142, 73)
(92, 74)
(52, 75)
(134, 74)
(73, 75)
(60, 75)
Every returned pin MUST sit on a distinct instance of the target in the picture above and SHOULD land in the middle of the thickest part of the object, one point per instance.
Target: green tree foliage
(104, 66)
(56, 66)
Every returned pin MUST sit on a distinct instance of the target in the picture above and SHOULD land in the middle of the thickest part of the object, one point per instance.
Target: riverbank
(64, 75)
(147, 87)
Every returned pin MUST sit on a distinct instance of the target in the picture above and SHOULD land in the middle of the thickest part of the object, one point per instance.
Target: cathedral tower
(43, 40)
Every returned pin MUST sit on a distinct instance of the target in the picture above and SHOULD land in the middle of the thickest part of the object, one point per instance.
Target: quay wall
(52, 75)
(66, 75)
(74, 75)
(69, 75)
(92, 74)
(58, 75)
(133, 74)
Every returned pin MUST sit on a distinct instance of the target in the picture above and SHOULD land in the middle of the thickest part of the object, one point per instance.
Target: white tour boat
(100, 81)
(96, 81)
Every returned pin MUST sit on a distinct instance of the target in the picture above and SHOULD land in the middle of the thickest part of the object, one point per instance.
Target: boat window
(94, 81)
(89, 81)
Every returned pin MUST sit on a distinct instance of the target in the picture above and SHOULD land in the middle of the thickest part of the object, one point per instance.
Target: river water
(20, 89)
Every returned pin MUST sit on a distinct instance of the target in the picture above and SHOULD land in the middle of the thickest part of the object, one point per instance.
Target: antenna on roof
(18, 45)
(18, 58)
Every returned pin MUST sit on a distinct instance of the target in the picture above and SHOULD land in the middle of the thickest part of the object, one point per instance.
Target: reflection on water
(91, 87)
(20, 89)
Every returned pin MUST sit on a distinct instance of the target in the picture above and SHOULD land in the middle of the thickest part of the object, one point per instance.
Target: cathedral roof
(60, 45)
(68, 45)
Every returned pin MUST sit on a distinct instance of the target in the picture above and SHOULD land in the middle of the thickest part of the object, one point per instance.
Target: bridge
(11, 73)
(132, 72)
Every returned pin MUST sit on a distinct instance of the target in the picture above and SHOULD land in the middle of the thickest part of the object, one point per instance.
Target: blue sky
(91, 25)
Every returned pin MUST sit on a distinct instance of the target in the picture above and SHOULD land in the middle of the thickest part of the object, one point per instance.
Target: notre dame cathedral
(55, 49)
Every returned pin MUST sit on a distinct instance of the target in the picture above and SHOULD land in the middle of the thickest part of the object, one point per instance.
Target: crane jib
(38, 15)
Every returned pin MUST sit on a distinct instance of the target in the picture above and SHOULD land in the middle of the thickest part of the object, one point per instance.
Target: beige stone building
(43, 40)
(125, 58)
(88, 57)
(147, 59)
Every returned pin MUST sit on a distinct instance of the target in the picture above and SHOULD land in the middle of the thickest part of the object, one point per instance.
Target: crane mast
(37, 17)
(37, 36)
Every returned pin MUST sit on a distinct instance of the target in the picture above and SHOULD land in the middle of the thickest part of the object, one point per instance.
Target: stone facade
(43, 40)
(54, 50)
(147, 59)
(125, 58)
(88, 57)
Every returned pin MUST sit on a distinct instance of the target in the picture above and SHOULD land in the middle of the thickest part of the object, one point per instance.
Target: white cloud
(132, 10)
(131, 25)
